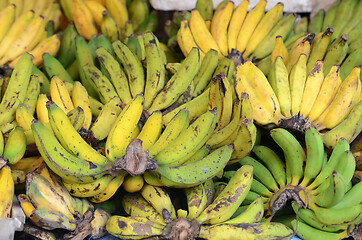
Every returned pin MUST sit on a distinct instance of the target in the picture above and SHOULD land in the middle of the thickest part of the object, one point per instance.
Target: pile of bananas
(117, 19)
(28, 26)
(110, 131)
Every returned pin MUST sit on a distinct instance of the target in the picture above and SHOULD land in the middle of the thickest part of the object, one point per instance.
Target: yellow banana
(219, 26)
(7, 17)
(80, 98)
(123, 128)
(151, 131)
(133, 184)
(83, 19)
(59, 94)
(118, 10)
(279, 50)
(252, 19)
(327, 91)
(7, 192)
(201, 34)
(88, 189)
(96, 8)
(109, 191)
(23, 117)
(236, 21)
(109, 27)
(297, 79)
(15, 145)
(185, 38)
(311, 89)
(302, 45)
(266, 23)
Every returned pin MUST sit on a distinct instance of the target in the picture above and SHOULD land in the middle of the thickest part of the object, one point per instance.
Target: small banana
(7, 192)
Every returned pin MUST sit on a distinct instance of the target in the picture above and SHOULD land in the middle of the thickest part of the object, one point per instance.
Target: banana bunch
(298, 100)
(232, 27)
(29, 26)
(47, 204)
(116, 19)
(153, 209)
(320, 185)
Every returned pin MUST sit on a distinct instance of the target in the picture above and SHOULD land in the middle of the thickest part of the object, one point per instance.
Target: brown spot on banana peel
(230, 199)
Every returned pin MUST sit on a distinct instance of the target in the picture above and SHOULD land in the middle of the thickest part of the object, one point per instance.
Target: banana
(84, 57)
(250, 79)
(132, 66)
(66, 165)
(53, 66)
(244, 140)
(315, 155)
(278, 79)
(273, 162)
(103, 123)
(264, 230)
(15, 146)
(156, 73)
(16, 89)
(41, 110)
(178, 83)
(346, 98)
(80, 99)
(196, 200)
(353, 20)
(43, 195)
(326, 93)
(127, 227)
(307, 232)
(293, 153)
(138, 12)
(252, 214)
(201, 34)
(99, 222)
(196, 172)
(185, 38)
(336, 53)
(279, 50)
(7, 17)
(349, 128)
(312, 88)
(337, 153)
(316, 22)
(133, 184)
(123, 128)
(70, 138)
(309, 217)
(66, 53)
(342, 16)
(28, 164)
(109, 27)
(265, 25)
(23, 117)
(7, 192)
(219, 137)
(330, 15)
(351, 198)
(160, 200)
(319, 48)
(297, 80)
(282, 28)
(219, 26)
(249, 25)
(52, 219)
(118, 10)
(227, 202)
(191, 140)
(18, 176)
(59, 94)
(339, 216)
(350, 62)
(151, 130)
(236, 21)
(136, 206)
(96, 9)
(88, 189)
(208, 65)
(206, 8)
(173, 129)
(302, 45)
(83, 19)
(109, 191)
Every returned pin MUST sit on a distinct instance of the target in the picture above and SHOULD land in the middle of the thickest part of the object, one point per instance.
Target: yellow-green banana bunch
(29, 26)
(319, 184)
(47, 204)
(232, 27)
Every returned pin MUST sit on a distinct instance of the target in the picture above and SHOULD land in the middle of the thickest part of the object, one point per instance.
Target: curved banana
(252, 214)
(60, 95)
(236, 21)
(80, 98)
(151, 131)
(185, 38)
(123, 128)
(196, 200)
(109, 27)
(109, 191)
(227, 202)
(15, 146)
(7, 192)
(88, 189)
(160, 200)
(83, 19)
(307, 232)
(302, 45)
(7, 17)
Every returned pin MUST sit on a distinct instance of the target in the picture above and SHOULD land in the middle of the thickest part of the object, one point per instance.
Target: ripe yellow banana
(151, 131)
(96, 9)
(297, 79)
(201, 34)
(263, 28)
(251, 21)
(236, 21)
(185, 38)
(279, 50)
(88, 189)
(80, 98)
(7, 17)
(83, 19)
(219, 26)
(109, 191)
(7, 192)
